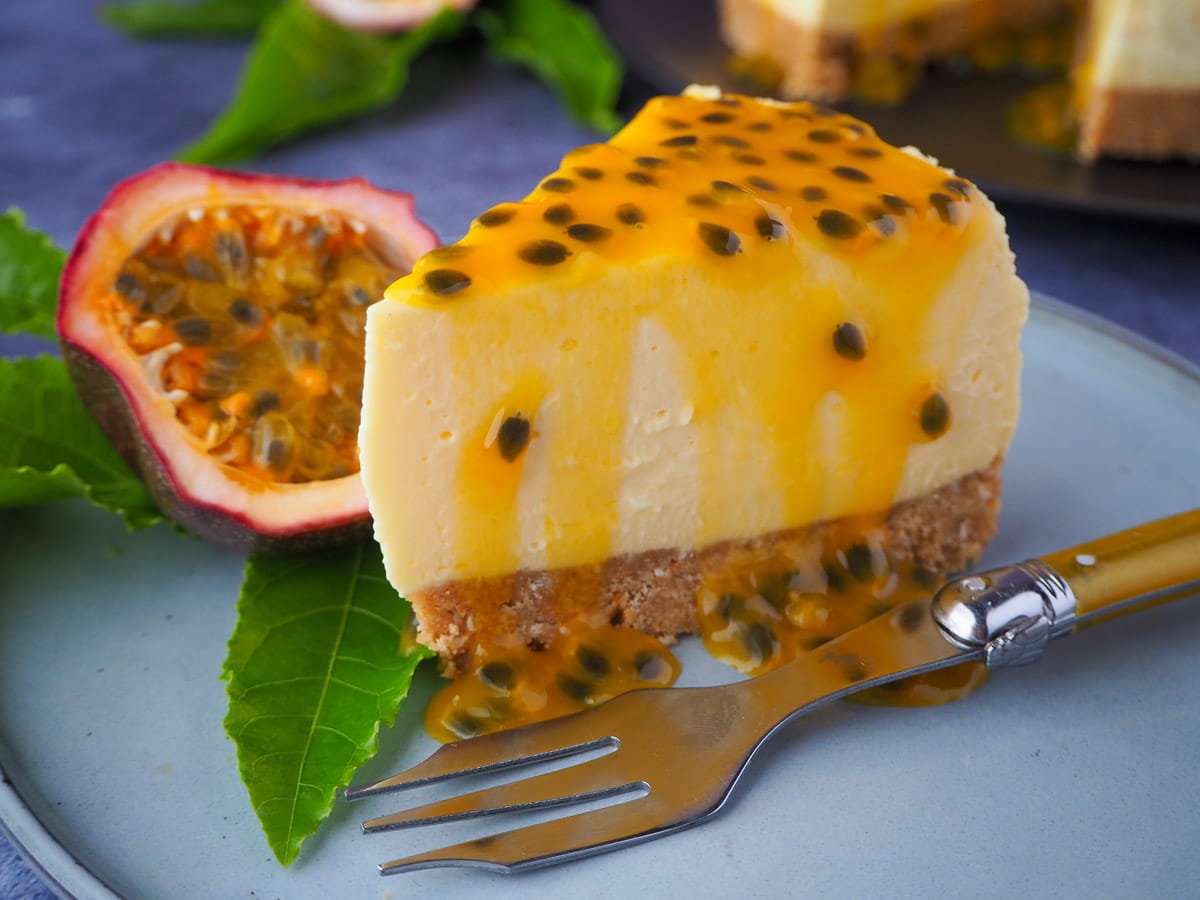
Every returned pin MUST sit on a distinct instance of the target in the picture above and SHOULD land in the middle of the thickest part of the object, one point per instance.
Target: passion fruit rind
(107, 403)
(238, 501)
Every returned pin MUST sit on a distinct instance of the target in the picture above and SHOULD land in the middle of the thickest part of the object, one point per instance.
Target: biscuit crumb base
(943, 531)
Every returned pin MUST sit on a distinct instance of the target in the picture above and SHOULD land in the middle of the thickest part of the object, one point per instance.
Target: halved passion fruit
(213, 324)
(385, 15)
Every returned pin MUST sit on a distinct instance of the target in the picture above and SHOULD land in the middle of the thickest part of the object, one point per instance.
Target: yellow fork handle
(1134, 569)
(1010, 613)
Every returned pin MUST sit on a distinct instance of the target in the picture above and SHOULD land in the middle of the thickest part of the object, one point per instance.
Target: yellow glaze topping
(727, 180)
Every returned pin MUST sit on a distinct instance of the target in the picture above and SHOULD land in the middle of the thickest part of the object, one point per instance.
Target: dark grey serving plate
(958, 118)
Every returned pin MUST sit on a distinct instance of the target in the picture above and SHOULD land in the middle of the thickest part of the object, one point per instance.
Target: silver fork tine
(591, 780)
(558, 840)
(540, 742)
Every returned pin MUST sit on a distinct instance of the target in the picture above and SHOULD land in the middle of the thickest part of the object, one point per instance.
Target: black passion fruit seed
(576, 688)
(760, 641)
(559, 214)
(496, 216)
(935, 415)
(849, 173)
(513, 436)
(463, 725)
(729, 140)
(727, 187)
(543, 253)
(244, 312)
(195, 331)
(727, 605)
(848, 341)
(719, 239)
(629, 214)
(944, 204)
(594, 662)
(768, 228)
(859, 562)
(837, 225)
(587, 233)
(498, 676)
(957, 186)
(649, 666)
(444, 282)
(911, 616)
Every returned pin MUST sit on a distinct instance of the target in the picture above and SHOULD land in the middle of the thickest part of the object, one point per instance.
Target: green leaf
(51, 449)
(30, 268)
(317, 662)
(305, 72)
(565, 47)
(201, 18)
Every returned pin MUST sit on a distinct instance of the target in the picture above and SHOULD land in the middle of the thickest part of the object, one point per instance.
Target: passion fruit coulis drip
(756, 614)
(512, 686)
(250, 321)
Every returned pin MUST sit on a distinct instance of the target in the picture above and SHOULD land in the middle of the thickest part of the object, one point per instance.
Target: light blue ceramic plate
(1075, 777)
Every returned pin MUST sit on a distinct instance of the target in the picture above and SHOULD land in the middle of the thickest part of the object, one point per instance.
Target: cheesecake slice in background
(1136, 86)
(1134, 71)
(734, 328)
(833, 50)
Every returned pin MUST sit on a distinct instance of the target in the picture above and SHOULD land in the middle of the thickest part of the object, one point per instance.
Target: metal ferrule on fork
(1010, 613)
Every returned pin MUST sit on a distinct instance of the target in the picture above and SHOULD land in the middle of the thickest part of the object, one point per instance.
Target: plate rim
(59, 869)
(67, 875)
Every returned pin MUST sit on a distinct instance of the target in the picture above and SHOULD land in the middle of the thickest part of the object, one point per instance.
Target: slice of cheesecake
(734, 324)
(832, 50)
(1135, 76)
(1136, 87)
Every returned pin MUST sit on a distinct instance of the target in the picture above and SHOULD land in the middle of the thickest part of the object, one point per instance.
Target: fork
(675, 755)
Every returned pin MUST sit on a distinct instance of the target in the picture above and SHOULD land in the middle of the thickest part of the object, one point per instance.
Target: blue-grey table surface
(82, 107)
